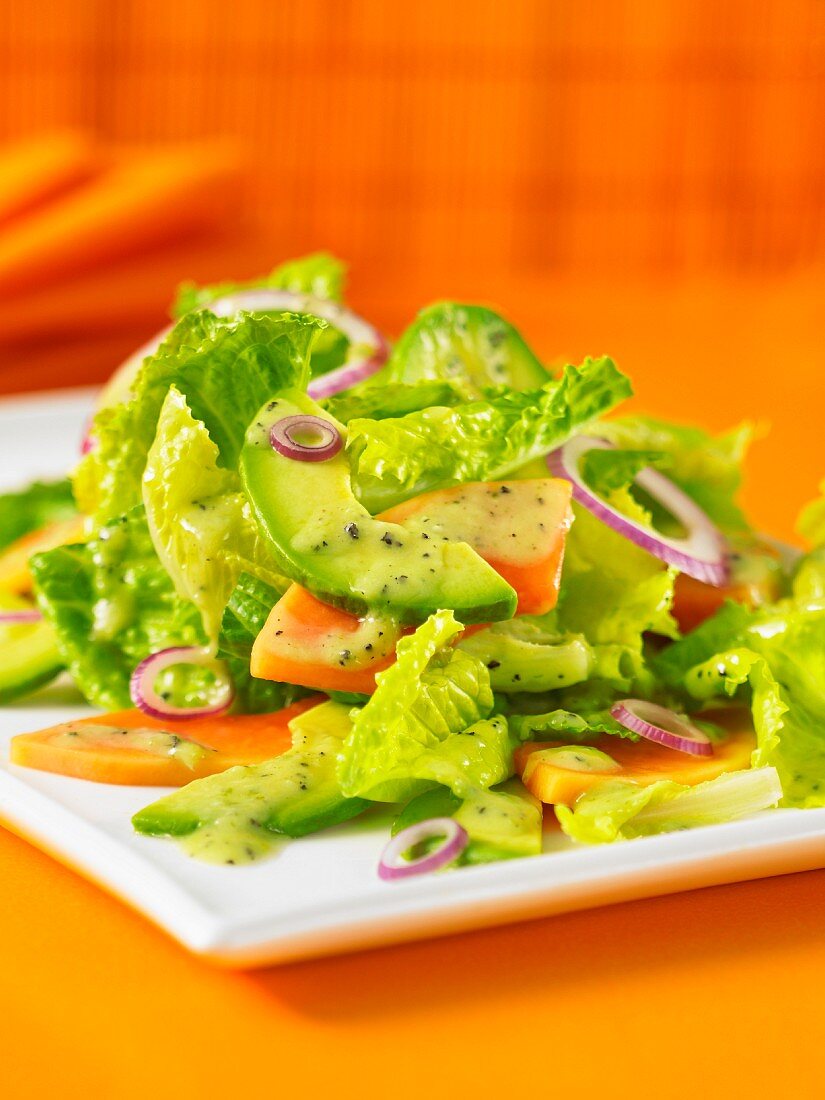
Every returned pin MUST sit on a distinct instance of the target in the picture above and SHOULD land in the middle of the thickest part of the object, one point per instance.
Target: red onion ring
(11, 618)
(661, 725)
(703, 554)
(283, 432)
(142, 683)
(392, 864)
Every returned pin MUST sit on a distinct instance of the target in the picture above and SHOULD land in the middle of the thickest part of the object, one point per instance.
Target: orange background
(642, 179)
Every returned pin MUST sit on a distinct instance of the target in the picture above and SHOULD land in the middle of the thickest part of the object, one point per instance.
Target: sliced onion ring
(661, 725)
(142, 683)
(703, 554)
(25, 615)
(283, 435)
(454, 840)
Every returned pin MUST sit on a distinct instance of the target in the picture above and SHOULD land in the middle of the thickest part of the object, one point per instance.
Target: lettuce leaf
(608, 470)
(778, 655)
(200, 521)
(243, 619)
(318, 274)
(707, 467)
(226, 368)
(40, 503)
(393, 400)
(397, 458)
(622, 810)
(566, 725)
(426, 723)
(613, 592)
(111, 604)
(465, 343)
(783, 661)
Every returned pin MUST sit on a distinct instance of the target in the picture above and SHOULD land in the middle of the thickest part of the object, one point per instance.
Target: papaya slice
(129, 748)
(557, 772)
(14, 561)
(756, 579)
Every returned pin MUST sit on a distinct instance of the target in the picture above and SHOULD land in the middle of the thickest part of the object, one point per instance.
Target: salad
(306, 576)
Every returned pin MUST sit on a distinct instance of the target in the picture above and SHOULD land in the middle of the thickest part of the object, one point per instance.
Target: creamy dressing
(514, 522)
(113, 606)
(90, 736)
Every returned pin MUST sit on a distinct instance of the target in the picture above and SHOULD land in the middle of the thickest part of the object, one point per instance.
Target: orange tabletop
(715, 993)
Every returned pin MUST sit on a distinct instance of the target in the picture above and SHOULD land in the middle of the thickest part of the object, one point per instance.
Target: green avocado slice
(328, 542)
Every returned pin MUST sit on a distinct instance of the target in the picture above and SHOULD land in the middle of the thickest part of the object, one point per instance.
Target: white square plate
(321, 894)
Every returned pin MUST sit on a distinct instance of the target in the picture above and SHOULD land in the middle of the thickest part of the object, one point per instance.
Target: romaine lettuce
(707, 467)
(319, 274)
(397, 458)
(426, 723)
(200, 521)
(111, 604)
(40, 503)
(225, 368)
(622, 810)
(393, 400)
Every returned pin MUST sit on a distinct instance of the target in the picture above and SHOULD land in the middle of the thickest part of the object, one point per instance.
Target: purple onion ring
(392, 864)
(661, 725)
(283, 435)
(142, 683)
(703, 554)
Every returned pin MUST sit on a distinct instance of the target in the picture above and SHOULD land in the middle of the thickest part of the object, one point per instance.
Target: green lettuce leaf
(111, 604)
(225, 368)
(612, 592)
(200, 521)
(608, 470)
(244, 617)
(393, 400)
(465, 343)
(622, 810)
(318, 274)
(723, 630)
(40, 503)
(567, 725)
(707, 467)
(783, 661)
(397, 458)
(427, 723)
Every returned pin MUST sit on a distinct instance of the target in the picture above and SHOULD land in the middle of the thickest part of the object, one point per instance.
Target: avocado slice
(30, 660)
(466, 343)
(237, 816)
(503, 823)
(328, 542)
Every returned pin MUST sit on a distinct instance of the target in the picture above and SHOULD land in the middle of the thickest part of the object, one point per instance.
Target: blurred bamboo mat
(669, 137)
